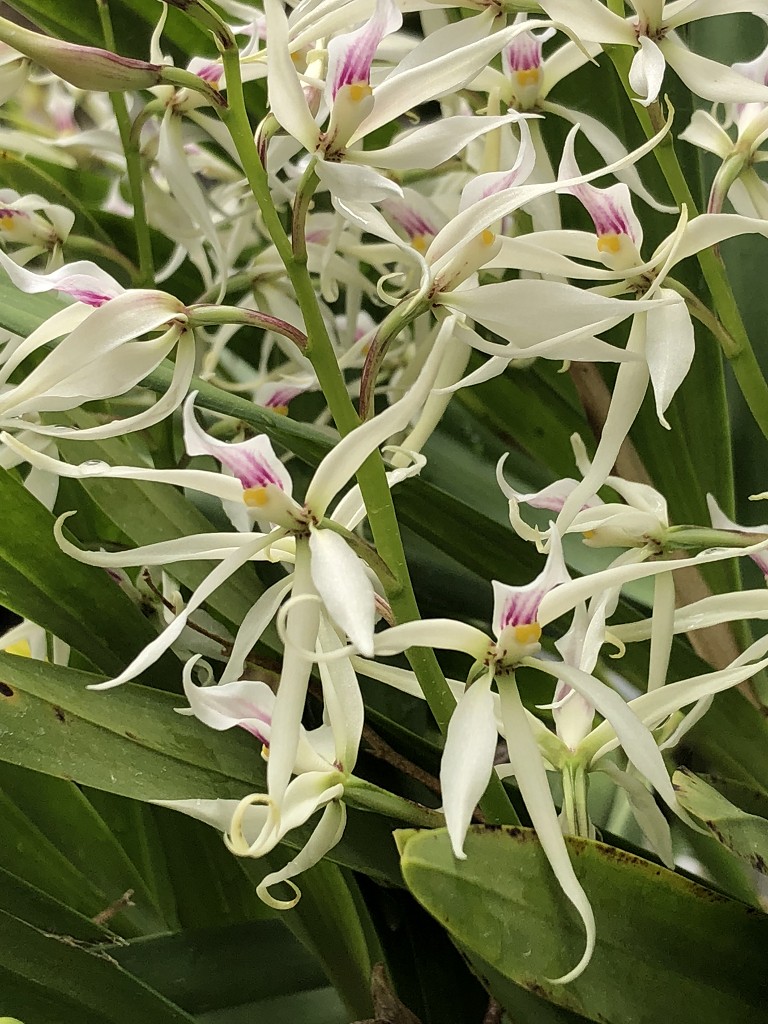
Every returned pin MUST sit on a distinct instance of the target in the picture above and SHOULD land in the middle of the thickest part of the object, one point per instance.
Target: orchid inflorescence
(393, 229)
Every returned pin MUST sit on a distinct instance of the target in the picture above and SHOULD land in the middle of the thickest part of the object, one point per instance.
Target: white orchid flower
(446, 60)
(737, 178)
(257, 486)
(323, 762)
(527, 80)
(100, 354)
(652, 31)
(33, 223)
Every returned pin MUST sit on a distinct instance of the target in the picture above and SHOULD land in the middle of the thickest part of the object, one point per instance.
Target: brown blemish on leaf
(59, 714)
(6, 690)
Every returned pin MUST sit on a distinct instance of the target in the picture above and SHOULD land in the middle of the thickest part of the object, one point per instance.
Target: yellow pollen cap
(280, 410)
(609, 243)
(588, 534)
(530, 76)
(419, 243)
(487, 237)
(528, 634)
(21, 648)
(359, 92)
(255, 497)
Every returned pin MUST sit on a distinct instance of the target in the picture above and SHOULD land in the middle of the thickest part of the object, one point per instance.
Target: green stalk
(741, 355)
(146, 278)
(371, 475)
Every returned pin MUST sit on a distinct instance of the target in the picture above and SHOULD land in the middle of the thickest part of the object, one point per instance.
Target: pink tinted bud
(85, 67)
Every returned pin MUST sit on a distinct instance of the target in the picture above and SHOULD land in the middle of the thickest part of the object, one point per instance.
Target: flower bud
(85, 67)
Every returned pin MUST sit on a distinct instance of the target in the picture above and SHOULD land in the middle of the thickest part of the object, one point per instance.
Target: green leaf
(665, 945)
(745, 835)
(214, 968)
(78, 603)
(54, 839)
(49, 979)
(129, 741)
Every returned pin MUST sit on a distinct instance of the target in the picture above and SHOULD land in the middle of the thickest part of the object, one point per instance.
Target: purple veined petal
(350, 55)
(496, 181)
(517, 607)
(720, 521)
(522, 63)
(82, 281)
(277, 395)
(610, 208)
(247, 704)
(253, 462)
(416, 216)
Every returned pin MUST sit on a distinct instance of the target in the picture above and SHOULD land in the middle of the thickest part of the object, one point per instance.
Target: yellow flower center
(21, 647)
(609, 243)
(528, 634)
(487, 237)
(419, 243)
(280, 410)
(588, 534)
(359, 91)
(8, 222)
(255, 497)
(530, 76)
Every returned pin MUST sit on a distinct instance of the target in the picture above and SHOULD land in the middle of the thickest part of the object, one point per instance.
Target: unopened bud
(85, 67)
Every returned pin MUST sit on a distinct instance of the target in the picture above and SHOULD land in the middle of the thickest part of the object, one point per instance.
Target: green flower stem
(146, 277)
(741, 355)
(203, 313)
(678, 537)
(371, 475)
(575, 798)
(367, 797)
(83, 244)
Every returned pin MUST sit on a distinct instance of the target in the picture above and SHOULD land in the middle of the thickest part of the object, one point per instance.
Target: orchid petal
(709, 79)
(286, 96)
(343, 461)
(590, 20)
(216, 484)
(431, 144)
(247, 704)
(252, 462)
(343, 584)
(525, 759)
(325, 836)
(343, 701)
(350, 55)
(353, 182)
(647, 814)
(704, 131)
(256, 620)
(445, 634)
(563, 598)
(636, 740)
(467, 761)
(150, 654)
(646, 72)
(669, 349)
(519, 606)
(302, 624)
(83, 281)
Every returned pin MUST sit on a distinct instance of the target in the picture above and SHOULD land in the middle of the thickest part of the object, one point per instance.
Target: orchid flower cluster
(387, 237)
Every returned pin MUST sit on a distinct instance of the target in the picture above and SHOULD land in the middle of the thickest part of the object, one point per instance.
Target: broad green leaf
(53, 838)
(129, 741)
(50, 979)
(665, 945)
(210, 969)
(28, 903)
(744, 834)
(332, 920)
(320, 1006)
(78, 603)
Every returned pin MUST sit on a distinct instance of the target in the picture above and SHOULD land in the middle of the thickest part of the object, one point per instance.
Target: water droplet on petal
(93, 466)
